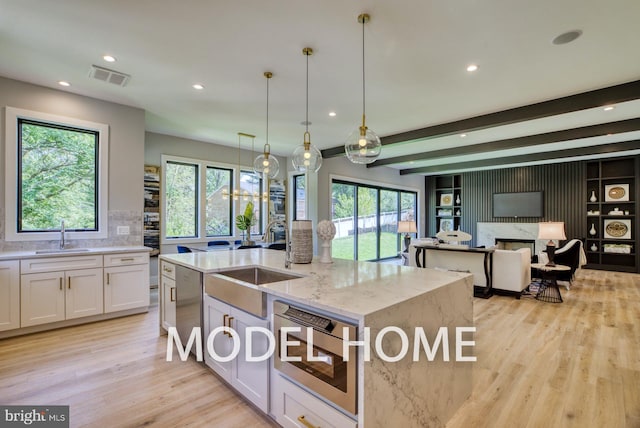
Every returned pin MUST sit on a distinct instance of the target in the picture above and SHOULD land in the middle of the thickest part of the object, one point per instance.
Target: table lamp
(407, 227)
(551, 230)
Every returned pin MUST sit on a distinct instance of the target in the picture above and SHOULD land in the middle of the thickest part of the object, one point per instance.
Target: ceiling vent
(109, 76)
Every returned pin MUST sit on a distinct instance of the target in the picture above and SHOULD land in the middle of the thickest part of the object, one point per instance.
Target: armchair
(571, 254)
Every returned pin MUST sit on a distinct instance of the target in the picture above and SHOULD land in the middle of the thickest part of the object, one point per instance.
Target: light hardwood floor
(574, 364)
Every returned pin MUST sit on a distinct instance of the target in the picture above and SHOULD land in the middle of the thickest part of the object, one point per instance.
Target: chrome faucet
(267, 239)
(62, 234)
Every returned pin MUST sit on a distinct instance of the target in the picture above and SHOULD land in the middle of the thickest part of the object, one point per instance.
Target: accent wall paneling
(566, 196)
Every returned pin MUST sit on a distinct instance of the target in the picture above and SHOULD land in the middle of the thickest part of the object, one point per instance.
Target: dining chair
(214, 243)
(182, 249)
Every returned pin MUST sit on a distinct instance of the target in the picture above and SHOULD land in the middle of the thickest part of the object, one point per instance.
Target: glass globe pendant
(264, 163)
(363, 145)
(306, 157)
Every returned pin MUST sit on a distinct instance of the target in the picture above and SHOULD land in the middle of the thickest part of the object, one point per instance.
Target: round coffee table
(549, 291)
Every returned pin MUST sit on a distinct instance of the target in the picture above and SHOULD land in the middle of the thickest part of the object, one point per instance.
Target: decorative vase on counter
(301, 241)
(326, 231)
(592, 231)
(594, 247)
(593, 197)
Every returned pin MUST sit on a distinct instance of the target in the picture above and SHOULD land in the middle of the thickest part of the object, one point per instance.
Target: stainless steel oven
(328, 374)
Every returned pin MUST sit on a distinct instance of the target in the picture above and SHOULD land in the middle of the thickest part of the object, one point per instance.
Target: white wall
(126, 155)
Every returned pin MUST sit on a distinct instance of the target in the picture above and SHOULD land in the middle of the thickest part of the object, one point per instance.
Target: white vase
(457, 199)
(592, 231)
(594, 247)
(593, 196)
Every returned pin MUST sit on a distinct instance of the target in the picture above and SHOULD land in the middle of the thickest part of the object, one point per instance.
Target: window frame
(335, 179)
(201, 235)
(12, 115)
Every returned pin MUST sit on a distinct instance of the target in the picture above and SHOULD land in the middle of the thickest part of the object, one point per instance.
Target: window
(366, 219)
(181, 205)
(300, 197)
(219, 207)
(60, 174)
(201, 199)
(250, 190)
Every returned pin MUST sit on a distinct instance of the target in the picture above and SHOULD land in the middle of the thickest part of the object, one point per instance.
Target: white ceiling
(416, 57)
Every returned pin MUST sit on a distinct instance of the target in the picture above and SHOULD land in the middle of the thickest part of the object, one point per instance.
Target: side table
(549, 291)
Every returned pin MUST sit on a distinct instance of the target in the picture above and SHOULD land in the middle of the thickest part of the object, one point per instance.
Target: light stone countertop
(350, 288)
(32, 254)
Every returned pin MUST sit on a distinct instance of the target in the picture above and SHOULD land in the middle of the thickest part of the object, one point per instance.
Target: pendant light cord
(267, 110)
(306, 122)
(363, 91)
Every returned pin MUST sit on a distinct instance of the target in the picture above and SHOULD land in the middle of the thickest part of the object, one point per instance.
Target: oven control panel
(310, 319)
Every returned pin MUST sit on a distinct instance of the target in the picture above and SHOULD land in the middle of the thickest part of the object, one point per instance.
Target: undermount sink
(258, 275)
(63, 251)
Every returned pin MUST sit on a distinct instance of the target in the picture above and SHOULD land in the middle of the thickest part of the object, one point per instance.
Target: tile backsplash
(132, 219)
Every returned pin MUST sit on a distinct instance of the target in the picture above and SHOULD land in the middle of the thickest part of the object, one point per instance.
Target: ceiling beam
(601, 149)
(618, 127)
(599, 97)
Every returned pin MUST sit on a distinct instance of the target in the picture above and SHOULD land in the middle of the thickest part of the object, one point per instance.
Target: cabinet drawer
(124, 259)
(52, 264)
(294, 405)
(168, 269)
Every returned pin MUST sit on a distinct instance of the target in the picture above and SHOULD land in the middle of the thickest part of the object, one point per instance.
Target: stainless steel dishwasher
(188, 303)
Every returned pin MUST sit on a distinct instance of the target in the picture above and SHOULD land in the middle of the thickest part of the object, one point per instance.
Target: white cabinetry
(168, 298)
(126, 281)
(293, 407)
(56, 289)
(250, 378)
(9, 295)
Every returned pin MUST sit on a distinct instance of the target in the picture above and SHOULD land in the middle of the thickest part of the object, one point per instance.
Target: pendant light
(363, 145)
(306, 157)
(264, 163)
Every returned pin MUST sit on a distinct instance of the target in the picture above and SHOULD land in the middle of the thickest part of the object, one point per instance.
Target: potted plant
(244, 222)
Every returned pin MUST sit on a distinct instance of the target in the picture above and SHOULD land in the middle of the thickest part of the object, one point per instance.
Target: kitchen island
(405, 393)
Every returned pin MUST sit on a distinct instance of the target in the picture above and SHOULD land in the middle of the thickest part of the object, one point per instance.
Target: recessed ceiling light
(608, 108)
(63, 83)
(332, 113)
(567, 37)
(472, 67)
(198, 86)
(463, 135)
(109, 58)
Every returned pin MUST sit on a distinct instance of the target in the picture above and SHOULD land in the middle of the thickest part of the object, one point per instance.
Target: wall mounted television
(518, 204)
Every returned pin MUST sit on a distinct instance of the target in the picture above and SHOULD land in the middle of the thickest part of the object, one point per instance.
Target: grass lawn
(342, 248)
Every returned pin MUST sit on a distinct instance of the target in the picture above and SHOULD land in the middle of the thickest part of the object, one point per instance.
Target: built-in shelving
(151, 221)
(611, 208)
(448, 202)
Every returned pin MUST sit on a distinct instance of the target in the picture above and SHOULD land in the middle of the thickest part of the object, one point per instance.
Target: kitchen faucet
(267, 239)
(62, 234)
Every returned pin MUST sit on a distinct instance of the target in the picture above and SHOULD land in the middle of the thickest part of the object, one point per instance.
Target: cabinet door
(83, 293)
(168, 302)
(251, 378)
(216, 314)
(42, 298)
(126, 287)
(9, 295)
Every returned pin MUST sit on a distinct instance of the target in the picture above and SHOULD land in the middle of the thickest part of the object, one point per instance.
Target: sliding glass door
(366, 219)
